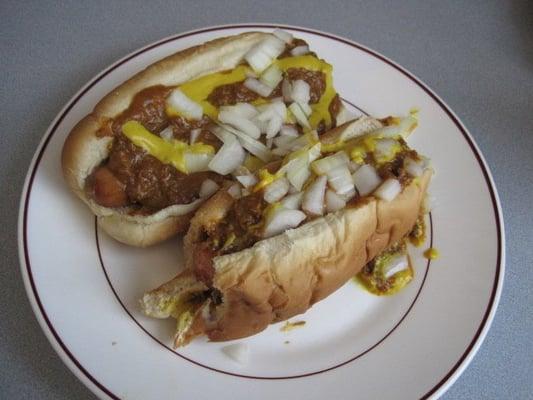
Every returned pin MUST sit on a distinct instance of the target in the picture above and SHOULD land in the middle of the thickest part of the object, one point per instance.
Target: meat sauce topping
(132, 177)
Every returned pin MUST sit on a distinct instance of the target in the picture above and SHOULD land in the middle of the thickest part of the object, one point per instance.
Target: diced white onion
(340, 180)
(288, 130)
(208, 188)
(293, 201)
(194, 135)
(235, 191)
(196, 162)
(240, 123)
(301, 91)
(229, 157)
(298, 170)
(272, 109)
(247, 180)
(389, 189)
(283, 35)
(255, 147)
(245, 110)
(384, 148)
(286, 90)
(281, 220)
(238, 352)
(258, 87)
(313, 200)
(395, 264)
(299, 114)
(300, 50)
(276, 190)
(366, 179)
(413, 168)
(181, 103)
(261, 56)
(269, 142)
(306, 108)
(167, 134)
(334, 202)
(272, 76)
(274, 126)
(324, 165)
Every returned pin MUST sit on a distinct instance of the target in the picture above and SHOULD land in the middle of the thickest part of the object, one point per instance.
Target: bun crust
(285, 275)
(84, 150)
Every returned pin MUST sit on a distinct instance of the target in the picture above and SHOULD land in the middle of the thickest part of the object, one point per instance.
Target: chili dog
(160, 144)
(300, 230)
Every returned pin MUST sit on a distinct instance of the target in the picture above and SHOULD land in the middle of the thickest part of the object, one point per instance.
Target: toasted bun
(285, 275)
(84, 150)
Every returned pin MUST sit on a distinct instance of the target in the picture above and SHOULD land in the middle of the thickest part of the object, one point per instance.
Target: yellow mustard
(168, 152)
(199, 89)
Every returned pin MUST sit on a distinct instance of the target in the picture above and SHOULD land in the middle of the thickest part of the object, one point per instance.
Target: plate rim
(31, 290)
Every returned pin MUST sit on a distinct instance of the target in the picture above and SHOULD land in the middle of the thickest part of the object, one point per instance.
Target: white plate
(84, 287)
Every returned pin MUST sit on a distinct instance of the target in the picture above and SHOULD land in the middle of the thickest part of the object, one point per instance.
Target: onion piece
(229, 157)
(282, 219)
(167, 134)
(272, 76)
(255, 147)
(299, 114)
(396, 264)
(334, 202)
(313, 200)
(208, 188)
(340, 180)
(288, 130)
(298, 170)
(247, 180)
(301, 91)
(413, 168)
(245, 110)
(366, 179)
(274, 126)
(300, 50)
(197, 162)
(389, 189)
(235, 191)
(286, 90)
(276, 190)
(324, 165)
(240, 123)
(384, 148)
(194, 135)
(269, 142)
(181, 103)
(306, 108)
(283, 35)
(293, 201)
(258, 87)
(239, 352)
(261, 56)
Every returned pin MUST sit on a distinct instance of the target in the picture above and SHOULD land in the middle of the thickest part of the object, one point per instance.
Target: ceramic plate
(84, 287)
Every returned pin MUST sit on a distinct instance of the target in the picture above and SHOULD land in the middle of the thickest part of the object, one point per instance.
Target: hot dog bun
(285, 275)
(84, 150)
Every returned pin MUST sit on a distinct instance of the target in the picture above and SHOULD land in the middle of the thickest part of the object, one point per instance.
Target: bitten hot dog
(301, 228)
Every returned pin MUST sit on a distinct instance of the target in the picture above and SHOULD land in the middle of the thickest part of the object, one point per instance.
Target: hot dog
(306, 226)
(147, 156)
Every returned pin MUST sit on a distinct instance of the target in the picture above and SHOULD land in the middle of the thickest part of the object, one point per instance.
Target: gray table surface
(477, 55)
